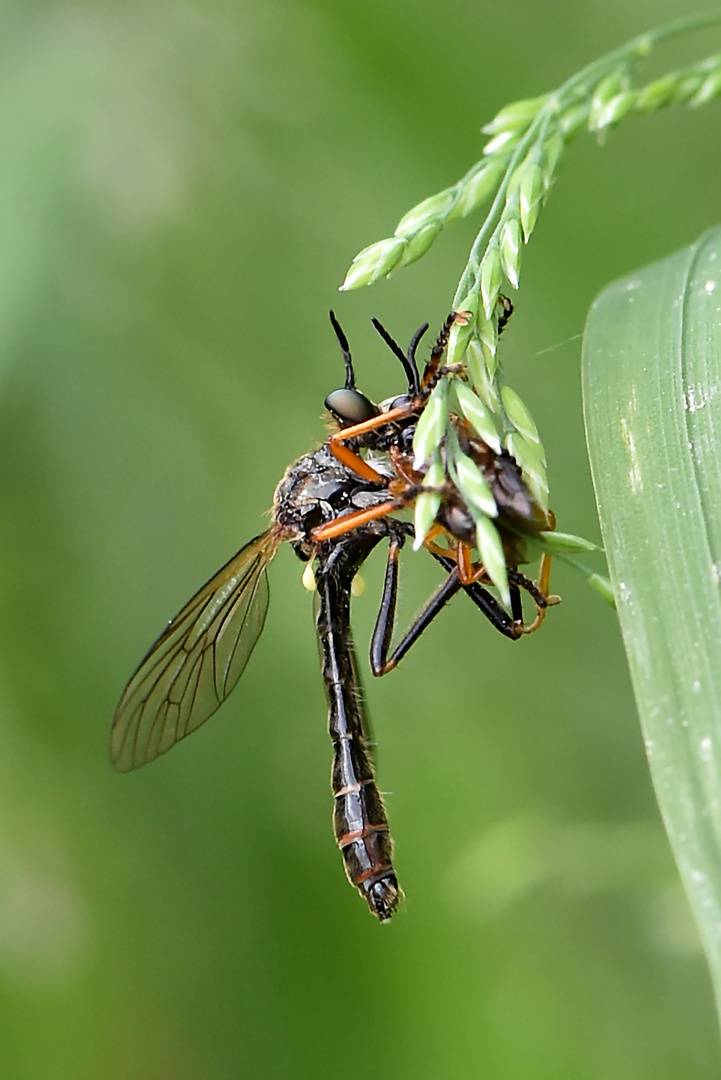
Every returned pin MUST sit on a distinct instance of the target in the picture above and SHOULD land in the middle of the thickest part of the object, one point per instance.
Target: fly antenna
(408, 361)
(412, 357)
(345, 349)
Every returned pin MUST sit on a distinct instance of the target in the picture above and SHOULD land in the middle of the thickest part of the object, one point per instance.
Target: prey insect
(333, 506)
(391, 427)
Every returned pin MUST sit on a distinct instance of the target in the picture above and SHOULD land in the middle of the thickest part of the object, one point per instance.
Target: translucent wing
(196, 662)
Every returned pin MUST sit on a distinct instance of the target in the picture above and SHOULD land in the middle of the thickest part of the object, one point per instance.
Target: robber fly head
(348, 405)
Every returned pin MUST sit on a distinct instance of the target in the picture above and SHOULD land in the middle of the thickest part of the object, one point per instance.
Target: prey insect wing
(196, 661)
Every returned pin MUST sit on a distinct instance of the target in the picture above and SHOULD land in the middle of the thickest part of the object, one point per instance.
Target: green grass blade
(652, 388)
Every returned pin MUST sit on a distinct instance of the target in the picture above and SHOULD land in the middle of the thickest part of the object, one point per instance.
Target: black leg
(380, 662)
(520, 581)
(430, 374)
(516, 605)
(496, 614)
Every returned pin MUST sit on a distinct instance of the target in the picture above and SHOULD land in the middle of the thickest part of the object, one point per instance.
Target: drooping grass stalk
(519, 165)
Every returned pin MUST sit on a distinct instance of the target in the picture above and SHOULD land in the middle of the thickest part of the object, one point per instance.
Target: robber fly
(333, 506)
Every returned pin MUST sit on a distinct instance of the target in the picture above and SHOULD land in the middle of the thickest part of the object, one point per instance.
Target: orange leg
(370, 425)
(467, 572)
(348, 522)
(544, 585)
(436, 549)
(354, 461)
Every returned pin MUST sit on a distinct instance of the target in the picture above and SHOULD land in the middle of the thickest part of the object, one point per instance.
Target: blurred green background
(182, 187)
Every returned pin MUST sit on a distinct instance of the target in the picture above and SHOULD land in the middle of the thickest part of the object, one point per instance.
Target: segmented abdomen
(359, 817)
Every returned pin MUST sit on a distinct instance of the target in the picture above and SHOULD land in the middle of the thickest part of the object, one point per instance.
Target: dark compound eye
(350, 406)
